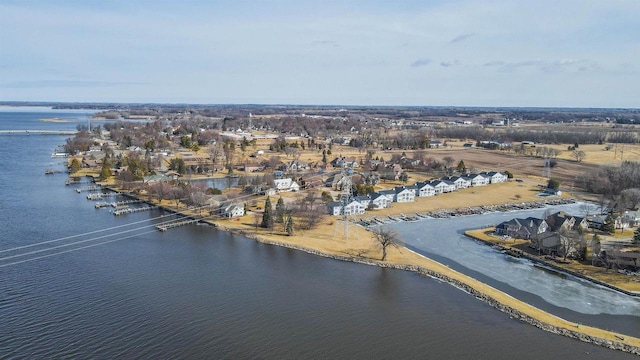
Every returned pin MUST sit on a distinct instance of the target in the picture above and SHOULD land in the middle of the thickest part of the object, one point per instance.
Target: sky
(582, 53)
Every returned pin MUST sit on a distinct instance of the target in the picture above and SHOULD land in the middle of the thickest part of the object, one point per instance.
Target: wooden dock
(132, 210)
(165, 227)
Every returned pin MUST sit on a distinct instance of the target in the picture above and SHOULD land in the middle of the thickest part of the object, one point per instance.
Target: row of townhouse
(402, 194)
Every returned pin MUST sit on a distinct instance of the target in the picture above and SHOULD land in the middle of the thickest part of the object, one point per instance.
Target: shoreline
(427, 267)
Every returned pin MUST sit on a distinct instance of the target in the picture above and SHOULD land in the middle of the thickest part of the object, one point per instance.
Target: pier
(132, 210)
(171, 225)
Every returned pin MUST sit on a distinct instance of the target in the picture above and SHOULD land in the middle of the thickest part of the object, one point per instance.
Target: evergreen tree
(636, 236)
(461, 166)
(404, 177)
(289, 226)
(105, 173)
(280, 209)
(267, 216)
(609, 225)
(75, 166)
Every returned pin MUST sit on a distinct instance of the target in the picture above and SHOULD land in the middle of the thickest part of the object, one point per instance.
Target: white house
(390, 194)
(335, 208)
(404, 194)
(459, 182)
(286, 185)
(233, 210)
(364, 200)
(477, 179)
(352, 208)
(442, 187)
(424, 189)
(379, 201)
(495, 177)
(434, 144)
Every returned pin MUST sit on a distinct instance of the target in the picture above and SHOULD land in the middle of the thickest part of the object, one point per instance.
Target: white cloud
(461, 38)
(448, 63)
(421, 62)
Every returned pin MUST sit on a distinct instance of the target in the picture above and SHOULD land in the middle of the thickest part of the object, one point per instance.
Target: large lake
(195, 292)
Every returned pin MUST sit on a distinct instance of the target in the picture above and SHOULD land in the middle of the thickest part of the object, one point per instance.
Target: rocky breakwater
(477, 210)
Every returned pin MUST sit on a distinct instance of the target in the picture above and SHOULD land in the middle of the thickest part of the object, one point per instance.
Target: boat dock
(88, 188)
(100, 196)
(132, 210)
(165, 227)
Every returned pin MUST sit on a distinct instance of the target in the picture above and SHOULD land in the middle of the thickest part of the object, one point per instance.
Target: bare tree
(160, 189)
(631, 197)
(587, 209)
(386, 237)
(572, 242)
(579, 155)
(448, 160)
(214, 152)
(229, 149)
(310, 210)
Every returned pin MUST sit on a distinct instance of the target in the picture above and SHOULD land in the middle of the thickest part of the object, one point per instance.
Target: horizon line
(94, 103)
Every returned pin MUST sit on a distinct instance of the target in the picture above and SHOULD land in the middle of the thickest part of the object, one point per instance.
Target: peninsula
(308, 178)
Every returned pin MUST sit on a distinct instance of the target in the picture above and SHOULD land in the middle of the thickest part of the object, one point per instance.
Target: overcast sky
(583, 53)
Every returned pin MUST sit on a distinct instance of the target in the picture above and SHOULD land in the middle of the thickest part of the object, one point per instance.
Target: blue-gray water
(195, 292)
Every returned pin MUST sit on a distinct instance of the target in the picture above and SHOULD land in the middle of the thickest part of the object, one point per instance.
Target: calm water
(194, 292)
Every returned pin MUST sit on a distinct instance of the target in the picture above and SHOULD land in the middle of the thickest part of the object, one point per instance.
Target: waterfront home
(403, 194)
(390, 194)
(495, 177)
(335, 208)
(458, 181)
(443, 186)
(379, 201)
(549, 243)
(476, 179)
(354, 207)
(233, 210)
(522, 228)
(562, 220)
(424, 189)
(364, 200)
